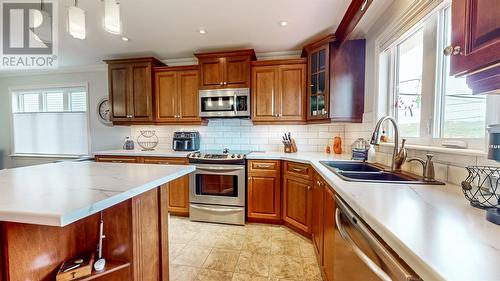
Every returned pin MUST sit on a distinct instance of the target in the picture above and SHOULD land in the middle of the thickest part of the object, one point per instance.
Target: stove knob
(232, 156)
(239, 155)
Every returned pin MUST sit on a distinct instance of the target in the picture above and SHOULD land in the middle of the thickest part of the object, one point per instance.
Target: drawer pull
(264, 166)
(298, 170)
(116, 161)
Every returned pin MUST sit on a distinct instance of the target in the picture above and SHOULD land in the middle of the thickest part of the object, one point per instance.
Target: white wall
(101, 136)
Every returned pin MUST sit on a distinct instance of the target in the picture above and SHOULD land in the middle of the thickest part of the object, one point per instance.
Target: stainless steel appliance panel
(225, 103)
(360, 255)
(217, 213)
(218, 184)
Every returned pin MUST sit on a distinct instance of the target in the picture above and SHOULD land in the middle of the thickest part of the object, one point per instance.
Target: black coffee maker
(186, 141)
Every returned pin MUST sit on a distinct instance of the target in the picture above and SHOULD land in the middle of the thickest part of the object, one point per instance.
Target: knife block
(292, 148)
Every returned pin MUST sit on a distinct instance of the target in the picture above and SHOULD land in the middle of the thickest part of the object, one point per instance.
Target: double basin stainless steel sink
(365, 172)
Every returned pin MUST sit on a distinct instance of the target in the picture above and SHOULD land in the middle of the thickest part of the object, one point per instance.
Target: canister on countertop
(494, 142)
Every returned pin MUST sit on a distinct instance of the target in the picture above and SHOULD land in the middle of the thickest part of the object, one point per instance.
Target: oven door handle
(373, 266)
(225, 210)
(217, 170)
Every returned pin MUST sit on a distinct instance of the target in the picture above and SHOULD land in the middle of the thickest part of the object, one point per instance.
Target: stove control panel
(216, 157)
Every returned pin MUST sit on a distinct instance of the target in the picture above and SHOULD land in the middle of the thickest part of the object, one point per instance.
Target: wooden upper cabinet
(237, 72)
(475, 38)
(264, 93)
(318, 79)
(188, 95)
(118, 91)
(222, 70)
(347, 81)
(278, 91)
(166, 95)
(131, 89)
(176, 94)
(292, 93)
(212, 73)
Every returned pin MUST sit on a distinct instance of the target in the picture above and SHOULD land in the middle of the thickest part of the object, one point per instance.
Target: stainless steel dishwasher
(359, 254)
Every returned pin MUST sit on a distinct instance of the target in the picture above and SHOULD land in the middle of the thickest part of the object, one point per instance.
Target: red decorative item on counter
(337, 145)
(328, 150)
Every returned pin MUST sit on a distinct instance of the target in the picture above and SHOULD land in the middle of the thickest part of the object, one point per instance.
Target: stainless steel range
(217, 187)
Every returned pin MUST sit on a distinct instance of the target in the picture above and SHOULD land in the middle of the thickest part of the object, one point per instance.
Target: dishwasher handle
(364, 258)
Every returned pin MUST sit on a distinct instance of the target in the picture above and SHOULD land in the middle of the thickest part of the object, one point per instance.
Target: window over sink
(50, 121)
(430, 105)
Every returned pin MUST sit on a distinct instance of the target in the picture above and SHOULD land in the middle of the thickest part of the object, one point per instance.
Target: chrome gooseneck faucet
(399, 155)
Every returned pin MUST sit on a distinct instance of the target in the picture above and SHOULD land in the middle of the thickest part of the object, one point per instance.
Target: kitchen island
(51, 213)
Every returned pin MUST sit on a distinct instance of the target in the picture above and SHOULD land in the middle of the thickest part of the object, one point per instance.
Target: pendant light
(76, 22)
(112, 21)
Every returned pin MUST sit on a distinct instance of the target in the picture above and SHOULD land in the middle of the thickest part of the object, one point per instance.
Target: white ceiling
(168, 29)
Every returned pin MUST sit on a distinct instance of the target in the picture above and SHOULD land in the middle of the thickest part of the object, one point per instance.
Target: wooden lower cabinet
(317, 227)
(297, 200)
(178, 190)
(329, 233)
(264, 191)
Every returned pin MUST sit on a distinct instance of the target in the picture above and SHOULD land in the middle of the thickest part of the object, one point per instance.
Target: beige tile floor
(254, 252)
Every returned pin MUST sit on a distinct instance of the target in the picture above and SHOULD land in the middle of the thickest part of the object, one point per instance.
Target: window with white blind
(50, 121)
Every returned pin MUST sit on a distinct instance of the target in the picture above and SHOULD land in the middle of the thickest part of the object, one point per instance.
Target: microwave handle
(235, 104)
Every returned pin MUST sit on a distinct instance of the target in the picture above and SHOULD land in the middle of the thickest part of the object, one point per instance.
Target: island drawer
(118, 159)
(165, 160)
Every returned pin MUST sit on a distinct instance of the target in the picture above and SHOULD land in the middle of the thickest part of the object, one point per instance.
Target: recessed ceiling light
(202, 31)
(283, 23)
(125, 39)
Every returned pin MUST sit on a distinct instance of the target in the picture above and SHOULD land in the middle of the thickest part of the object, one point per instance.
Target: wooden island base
(135, 247)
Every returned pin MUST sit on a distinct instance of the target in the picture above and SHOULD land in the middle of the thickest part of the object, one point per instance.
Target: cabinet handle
(452, 50)
(225, 83)
(312, 86)
(249, 178)
(221, 83)
(116, 161)
(309, 188)
(129, 116)
(163, 163)
(264, 165)
(318, 183)
(298, 170)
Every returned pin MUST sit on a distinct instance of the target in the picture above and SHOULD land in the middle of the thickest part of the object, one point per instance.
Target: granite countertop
(58, 194)
(432, 228)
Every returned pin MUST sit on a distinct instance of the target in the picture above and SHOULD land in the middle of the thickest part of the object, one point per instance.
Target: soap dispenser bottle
(371, 154)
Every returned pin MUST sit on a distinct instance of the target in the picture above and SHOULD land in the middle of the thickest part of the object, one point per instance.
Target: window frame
(44, 88)
(433, 72)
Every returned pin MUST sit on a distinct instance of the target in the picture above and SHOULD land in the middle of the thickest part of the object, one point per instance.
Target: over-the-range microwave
(225, 103)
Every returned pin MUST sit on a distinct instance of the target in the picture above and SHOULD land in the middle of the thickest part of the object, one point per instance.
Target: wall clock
(104, 111)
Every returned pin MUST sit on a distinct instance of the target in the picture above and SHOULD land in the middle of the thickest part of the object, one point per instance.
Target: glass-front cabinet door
(319, 88)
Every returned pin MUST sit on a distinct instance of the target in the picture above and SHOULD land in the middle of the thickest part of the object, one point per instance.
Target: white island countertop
(432, 228)
(61, 193)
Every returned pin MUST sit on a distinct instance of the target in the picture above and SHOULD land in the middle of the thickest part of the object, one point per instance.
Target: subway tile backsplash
(240, 134)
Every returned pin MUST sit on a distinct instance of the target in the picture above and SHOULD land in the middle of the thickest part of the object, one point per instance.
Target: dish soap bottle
(372, 154)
